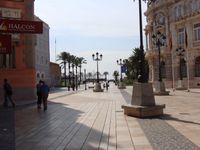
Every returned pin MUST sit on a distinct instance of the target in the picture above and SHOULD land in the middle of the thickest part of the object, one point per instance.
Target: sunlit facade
(19, 65)
(179, 21)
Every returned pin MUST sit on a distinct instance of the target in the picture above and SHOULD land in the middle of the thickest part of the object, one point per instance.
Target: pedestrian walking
(45, 93)
(39, 94)
(8, 94)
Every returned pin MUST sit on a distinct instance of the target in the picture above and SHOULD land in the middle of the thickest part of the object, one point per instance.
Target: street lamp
(180, 52)
(159, 40)
(97, 59)
(121, 63)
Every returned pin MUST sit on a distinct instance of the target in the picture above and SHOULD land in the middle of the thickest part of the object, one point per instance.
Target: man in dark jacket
(39, 94)
(45, 93)
(7, 94)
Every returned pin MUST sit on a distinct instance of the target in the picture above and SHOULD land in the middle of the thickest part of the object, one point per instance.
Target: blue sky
(84, 27)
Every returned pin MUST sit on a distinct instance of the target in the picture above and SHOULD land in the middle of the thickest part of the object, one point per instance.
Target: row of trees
(91, 75)
(73, 63)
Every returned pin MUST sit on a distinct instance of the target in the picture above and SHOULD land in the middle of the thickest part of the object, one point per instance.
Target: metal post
(159, 64)
(85, 79)
(180, 52)
(141, 77)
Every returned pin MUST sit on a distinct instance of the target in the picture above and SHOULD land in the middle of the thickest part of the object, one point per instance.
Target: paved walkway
(88, 120)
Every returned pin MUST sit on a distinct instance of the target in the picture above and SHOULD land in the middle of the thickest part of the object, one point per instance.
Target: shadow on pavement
(60, 127)
(169, 117)
(7, 129)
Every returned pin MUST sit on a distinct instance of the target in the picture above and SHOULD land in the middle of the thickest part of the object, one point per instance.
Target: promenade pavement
(90, 120)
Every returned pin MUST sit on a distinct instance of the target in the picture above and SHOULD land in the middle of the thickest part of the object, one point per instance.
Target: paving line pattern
(161, 135)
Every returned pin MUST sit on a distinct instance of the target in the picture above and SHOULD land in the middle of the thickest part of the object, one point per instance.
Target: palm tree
(63, 58)
(105, 74)
(76, 63)
(116, 74)
(73, 65)
(81, 61)
(69, 67)
(132, 65)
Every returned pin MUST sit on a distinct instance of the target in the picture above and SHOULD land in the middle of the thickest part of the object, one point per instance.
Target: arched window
(38, 75)
(183, 68)
(163, 69)
(42, 76)
(197, 67)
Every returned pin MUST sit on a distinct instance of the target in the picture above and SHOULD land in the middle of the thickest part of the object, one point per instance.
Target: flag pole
(55, 50)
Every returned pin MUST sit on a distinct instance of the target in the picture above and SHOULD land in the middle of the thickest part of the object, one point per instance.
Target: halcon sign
(5, 44)
(18, 26)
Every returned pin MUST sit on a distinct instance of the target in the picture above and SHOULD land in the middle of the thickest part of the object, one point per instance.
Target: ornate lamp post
(180, 52)
(159, 40)
(120, 62)
(97, 58)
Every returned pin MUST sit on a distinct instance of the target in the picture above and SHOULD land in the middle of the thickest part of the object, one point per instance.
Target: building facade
(42, 54)
(19, 65)
(55, 74)
(179, 22)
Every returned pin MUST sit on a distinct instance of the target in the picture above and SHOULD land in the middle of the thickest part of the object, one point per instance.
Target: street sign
(123, 69)
(5, 44)
(20, 26)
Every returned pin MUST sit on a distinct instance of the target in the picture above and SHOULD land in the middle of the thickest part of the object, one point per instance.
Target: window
(178, 11)
(197, 32)
(197, 67)
(181, 36)
(38, 75)
(195, 5)
(42, 76)
(183, 68)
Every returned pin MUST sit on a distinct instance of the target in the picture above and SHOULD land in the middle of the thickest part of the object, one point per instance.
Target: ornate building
(19, 65)
(179, 22)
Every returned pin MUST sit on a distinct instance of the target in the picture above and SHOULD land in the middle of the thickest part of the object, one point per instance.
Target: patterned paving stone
(164, 137)
(160, 134)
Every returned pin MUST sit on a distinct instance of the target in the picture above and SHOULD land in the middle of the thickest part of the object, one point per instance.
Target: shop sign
(10, 13)
(16, 0)
(19, 26)
(5, 44)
